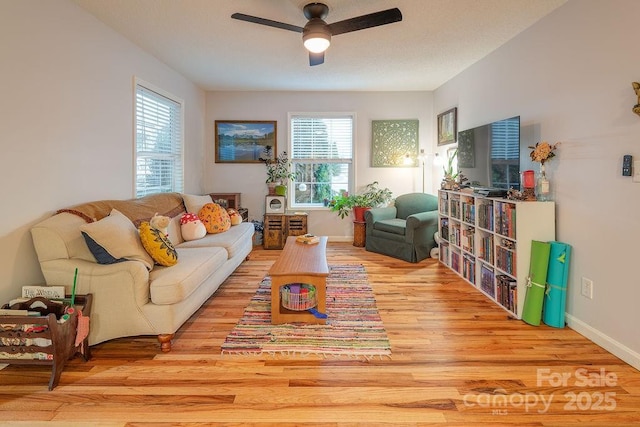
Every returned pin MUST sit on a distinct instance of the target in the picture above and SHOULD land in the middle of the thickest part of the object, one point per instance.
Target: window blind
(322, 138)
(158, 123)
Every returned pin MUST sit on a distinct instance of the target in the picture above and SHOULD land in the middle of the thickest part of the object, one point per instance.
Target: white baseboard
(618, 349)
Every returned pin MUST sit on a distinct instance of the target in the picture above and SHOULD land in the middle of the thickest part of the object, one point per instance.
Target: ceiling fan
(316, 34)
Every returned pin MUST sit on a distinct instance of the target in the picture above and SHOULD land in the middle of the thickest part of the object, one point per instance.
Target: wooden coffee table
(299, 263)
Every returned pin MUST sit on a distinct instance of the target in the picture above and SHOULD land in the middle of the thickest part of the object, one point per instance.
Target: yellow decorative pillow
(158, 245)
(215, 218)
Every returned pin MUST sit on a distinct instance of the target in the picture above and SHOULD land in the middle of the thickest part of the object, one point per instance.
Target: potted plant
(449, 180)
(278, 171)
(372, 196)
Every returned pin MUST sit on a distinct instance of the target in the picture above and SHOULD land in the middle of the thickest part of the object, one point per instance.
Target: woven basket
(298, 297)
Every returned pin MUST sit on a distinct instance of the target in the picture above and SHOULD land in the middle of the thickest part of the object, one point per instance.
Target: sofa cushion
(232, 240)
(170, 285)
(215, 218)
(158, 245)
(119, 237)
(394, 226)
(194, 203)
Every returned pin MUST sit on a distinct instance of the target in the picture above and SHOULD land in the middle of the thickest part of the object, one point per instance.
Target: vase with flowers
(542, 152)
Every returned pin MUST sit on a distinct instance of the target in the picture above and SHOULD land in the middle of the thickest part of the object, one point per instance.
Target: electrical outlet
(587, 288)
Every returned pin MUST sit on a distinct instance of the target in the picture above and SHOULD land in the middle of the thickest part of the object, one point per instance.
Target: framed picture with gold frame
(447, 126)
(244, 141)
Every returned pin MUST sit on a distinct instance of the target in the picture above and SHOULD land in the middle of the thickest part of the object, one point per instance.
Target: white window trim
(139, 82)
(352, 169)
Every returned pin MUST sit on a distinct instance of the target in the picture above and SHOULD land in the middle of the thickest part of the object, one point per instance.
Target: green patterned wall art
(392, 141)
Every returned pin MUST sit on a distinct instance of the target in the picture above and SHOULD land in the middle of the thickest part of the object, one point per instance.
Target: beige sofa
(128, 299)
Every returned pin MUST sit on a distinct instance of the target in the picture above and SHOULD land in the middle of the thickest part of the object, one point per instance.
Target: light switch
(636, 171)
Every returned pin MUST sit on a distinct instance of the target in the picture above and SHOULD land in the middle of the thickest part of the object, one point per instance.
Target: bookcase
(487, 241)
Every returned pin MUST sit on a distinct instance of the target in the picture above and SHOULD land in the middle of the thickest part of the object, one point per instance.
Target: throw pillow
(158, 245)
(191, 227)
(215, 218)
(117, 236)
(195, 203)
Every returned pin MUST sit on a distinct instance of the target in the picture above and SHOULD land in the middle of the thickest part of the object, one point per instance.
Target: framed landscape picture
(447, 126)
(244, 141)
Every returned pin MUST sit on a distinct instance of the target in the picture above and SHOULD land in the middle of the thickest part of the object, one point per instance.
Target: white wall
(67, 121)
(249, 179)
(569, 78)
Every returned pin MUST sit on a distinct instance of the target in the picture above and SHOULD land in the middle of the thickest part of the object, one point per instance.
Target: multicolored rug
(353, 329)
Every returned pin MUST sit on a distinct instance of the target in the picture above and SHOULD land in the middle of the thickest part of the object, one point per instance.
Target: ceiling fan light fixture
(316, 36)
(317, 44)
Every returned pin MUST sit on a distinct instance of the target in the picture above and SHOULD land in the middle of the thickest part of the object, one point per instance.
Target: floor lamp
(423, 160)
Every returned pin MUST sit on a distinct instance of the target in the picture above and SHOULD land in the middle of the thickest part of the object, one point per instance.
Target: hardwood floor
(457, 359)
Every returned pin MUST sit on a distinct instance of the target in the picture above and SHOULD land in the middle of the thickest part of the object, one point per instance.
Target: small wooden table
(299, 263)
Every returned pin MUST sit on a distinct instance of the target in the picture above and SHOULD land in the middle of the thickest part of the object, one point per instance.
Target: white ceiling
(435, 41)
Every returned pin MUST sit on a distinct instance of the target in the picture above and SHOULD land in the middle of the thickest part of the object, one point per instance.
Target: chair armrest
(421, 225)
(378, 214)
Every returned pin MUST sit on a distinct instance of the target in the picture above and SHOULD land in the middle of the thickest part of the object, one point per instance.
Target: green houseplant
(450, 175)
(372, 196)
(278, 170)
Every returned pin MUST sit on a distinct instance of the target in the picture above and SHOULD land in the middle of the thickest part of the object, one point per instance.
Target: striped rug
(353, 329)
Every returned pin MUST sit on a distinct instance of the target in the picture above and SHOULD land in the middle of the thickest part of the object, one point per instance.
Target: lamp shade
(316, 35)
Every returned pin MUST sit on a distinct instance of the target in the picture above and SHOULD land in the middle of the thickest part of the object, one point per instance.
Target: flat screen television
(489, 155)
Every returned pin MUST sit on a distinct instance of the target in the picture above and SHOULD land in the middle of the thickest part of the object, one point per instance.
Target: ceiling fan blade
(267, 22)
(316, 58)
(384, 17)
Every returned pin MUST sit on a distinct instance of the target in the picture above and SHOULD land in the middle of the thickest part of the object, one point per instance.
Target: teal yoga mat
(533, 300)
(557, 278)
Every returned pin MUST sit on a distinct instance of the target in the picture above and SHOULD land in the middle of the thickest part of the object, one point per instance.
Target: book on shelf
(10, 312)
(50, 292)
(308, 239)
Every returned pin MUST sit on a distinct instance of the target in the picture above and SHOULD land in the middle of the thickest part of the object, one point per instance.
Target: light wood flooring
(457, 359)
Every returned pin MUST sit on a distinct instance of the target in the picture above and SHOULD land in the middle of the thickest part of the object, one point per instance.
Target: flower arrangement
(543, 151)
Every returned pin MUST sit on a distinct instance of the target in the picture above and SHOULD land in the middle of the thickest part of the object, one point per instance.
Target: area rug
(353, 328)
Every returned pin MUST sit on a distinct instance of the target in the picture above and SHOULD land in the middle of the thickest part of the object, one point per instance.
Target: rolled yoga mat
(555, 296)
(533, 300)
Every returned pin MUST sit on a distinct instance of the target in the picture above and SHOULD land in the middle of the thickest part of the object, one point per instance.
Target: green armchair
(405, 230)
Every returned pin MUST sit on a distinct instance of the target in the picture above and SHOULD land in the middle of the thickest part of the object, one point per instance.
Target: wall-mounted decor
(244, 141)
(466, 150)
(447, 126)
(636, 88)
(392, 141)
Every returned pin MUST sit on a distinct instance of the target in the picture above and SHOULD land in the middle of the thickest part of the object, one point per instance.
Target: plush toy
(191, 227)
(160, 223)
(215, 218)
(234, 216)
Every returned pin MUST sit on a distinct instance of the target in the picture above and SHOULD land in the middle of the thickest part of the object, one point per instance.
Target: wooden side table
(359, 233)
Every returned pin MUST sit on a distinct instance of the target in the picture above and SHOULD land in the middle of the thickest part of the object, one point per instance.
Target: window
(321, 156)
(158, 143)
